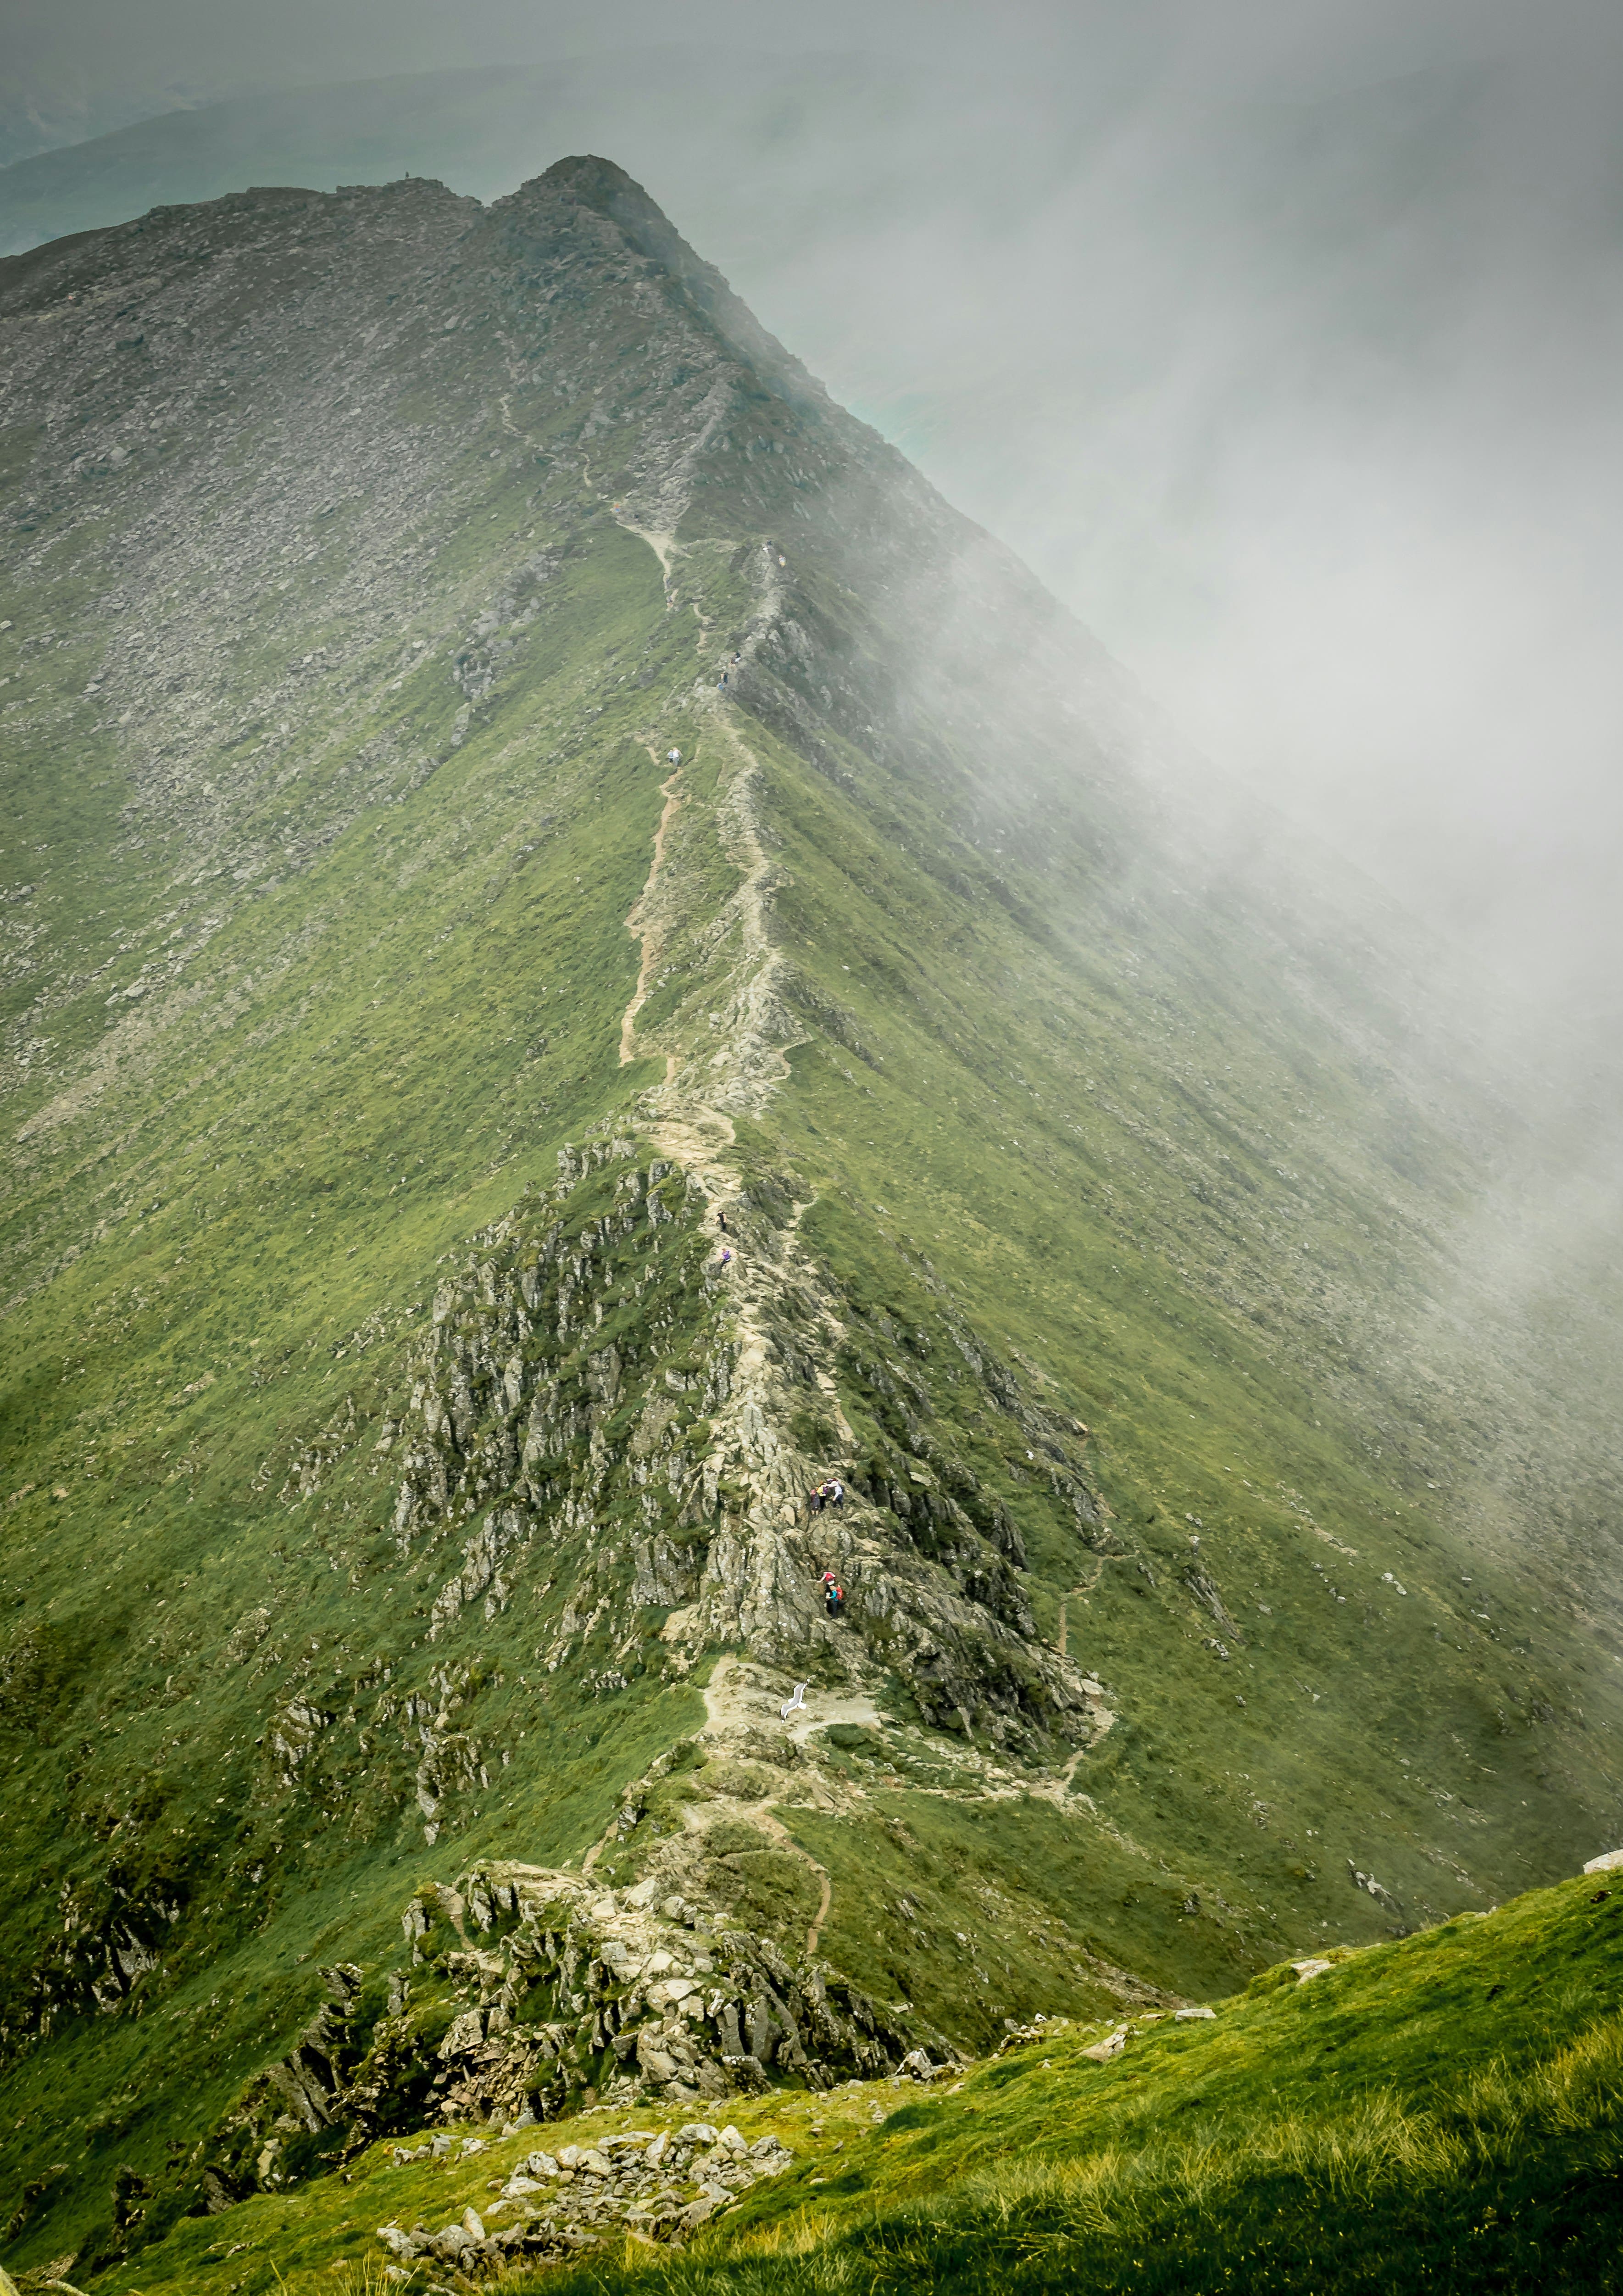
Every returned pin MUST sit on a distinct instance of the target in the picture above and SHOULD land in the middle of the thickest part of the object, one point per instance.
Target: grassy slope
(387, 1046)
(1084, 1192)
(278, 1178)
(1442, 2112)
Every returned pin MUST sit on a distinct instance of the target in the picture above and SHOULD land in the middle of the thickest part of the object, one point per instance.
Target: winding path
(653, 940)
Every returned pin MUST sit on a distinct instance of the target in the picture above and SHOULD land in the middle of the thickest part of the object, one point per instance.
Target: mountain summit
(727, 1352)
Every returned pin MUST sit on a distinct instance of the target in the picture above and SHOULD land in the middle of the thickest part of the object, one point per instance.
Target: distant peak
(591, 178)
(609, 191)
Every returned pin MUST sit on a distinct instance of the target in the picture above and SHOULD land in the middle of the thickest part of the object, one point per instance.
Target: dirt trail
(750, 1059)
(653, 938)
(687, 1116)
(780, 1833)
(664, 546)
(1088, 1589)
(597, 1848)
(754, 1055)
(724, 1061)
(745, 1058)
(737, 1698)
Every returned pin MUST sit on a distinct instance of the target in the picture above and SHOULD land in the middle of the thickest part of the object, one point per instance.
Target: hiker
(726, 1260)
(833, 1598)
(673, 757)
(836, 1491)
(815, 1500)
(721, 1221)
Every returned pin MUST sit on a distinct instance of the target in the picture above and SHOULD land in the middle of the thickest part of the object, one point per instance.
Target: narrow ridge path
(774, 1825)
(638, 923)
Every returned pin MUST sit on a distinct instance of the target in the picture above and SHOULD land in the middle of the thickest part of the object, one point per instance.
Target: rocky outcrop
(526, 1993)
(659, 2186)
(605, 1385)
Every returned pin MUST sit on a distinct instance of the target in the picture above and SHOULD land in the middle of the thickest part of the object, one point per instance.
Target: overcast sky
(1282, 340)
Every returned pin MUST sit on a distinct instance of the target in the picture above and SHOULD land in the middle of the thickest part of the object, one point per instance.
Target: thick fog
(1280, 339)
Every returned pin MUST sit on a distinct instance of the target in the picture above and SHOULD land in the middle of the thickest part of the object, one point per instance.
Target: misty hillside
(1366, 217)
(584, 955)
(1286, 371)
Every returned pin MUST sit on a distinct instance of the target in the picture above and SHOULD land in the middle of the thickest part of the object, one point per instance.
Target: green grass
(1042, 1168)
(1444, 2113)
(1439, 2112)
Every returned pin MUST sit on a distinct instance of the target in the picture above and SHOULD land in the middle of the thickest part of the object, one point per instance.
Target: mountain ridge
(425, 953)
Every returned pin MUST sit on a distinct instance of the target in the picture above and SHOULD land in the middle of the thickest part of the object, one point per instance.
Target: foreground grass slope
(1439, 2112)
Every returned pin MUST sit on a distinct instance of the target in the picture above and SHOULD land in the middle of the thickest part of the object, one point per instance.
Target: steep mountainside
(583, 955)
